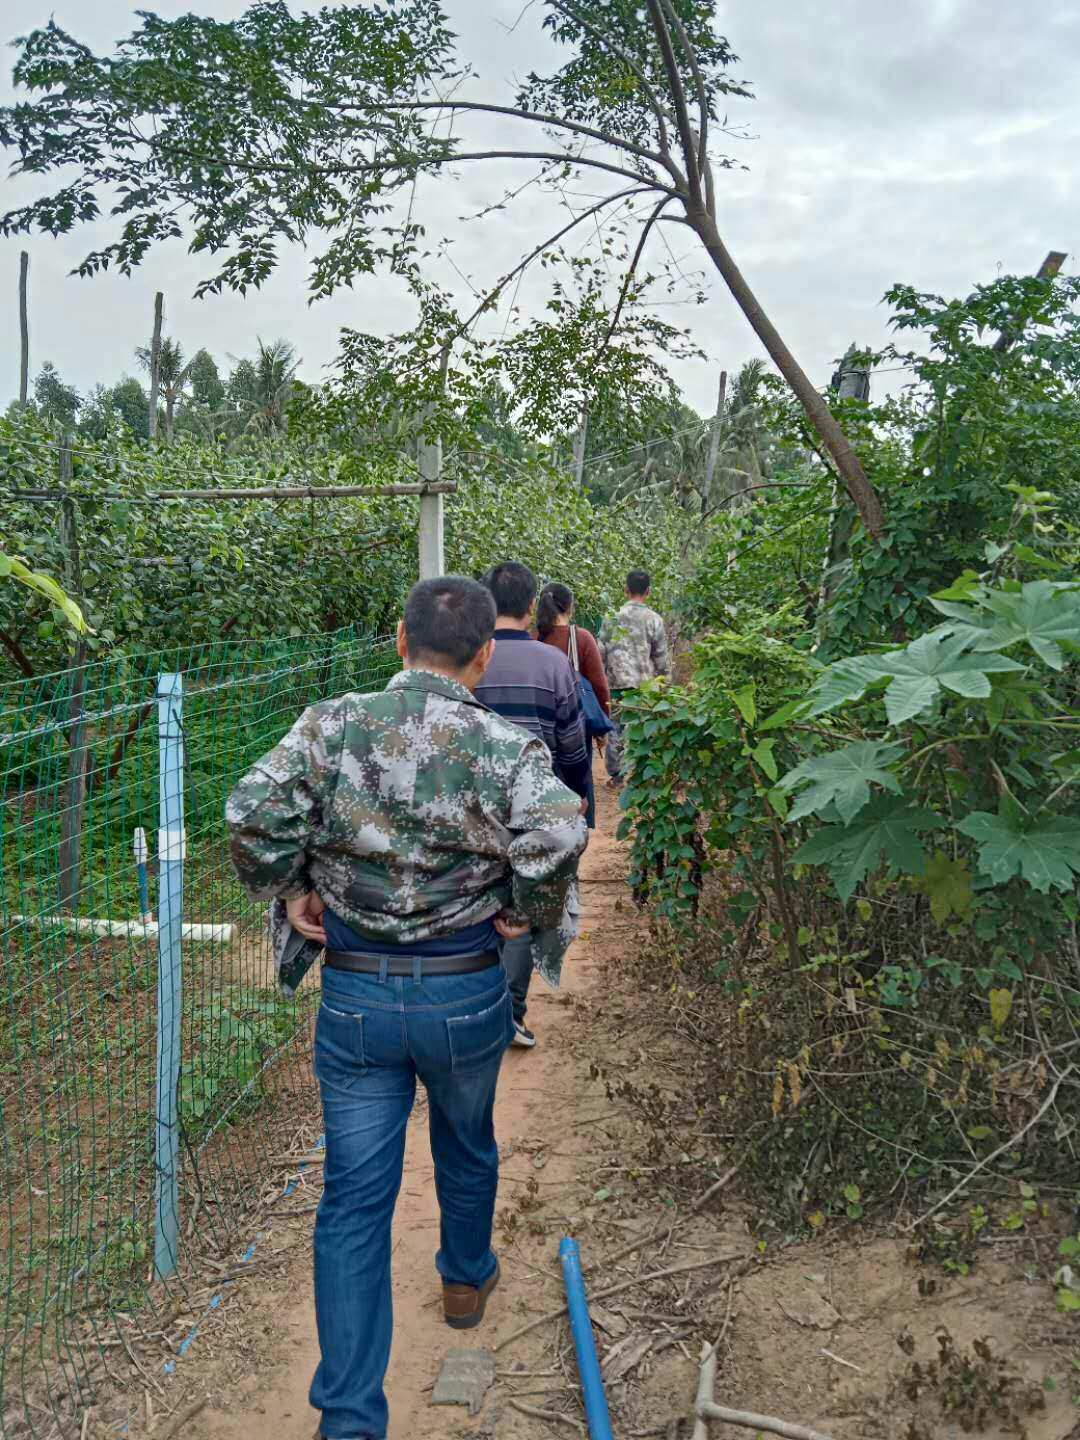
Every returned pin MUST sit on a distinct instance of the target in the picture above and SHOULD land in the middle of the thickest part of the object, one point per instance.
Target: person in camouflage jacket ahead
(407, 832)
(634, 646)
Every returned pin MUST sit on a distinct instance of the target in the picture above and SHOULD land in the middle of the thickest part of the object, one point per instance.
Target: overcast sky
(934, 142)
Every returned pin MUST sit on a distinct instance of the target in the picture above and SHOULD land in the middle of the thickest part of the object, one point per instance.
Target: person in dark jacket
(535, 687)
(555, 626)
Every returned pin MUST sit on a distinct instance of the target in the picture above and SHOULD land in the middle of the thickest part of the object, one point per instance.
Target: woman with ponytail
(555, 626)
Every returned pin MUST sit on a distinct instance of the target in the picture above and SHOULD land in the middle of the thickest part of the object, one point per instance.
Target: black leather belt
(407, 964)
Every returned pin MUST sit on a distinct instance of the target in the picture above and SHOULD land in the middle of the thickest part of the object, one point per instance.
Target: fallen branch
(710, 1355)
(644, 1240)
(537, 1414)
(175, 1427)
(706, 1385)
(723, 1259)
(709, 1411)
(1005, 1145)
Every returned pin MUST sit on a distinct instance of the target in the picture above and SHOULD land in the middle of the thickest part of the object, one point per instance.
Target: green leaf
(782, 716)
(948, 884)
(1044, 615)
(1001, 1002)
(980, 1132)
(1068, 1300)
(763, 754)
(933, 661)
(914, 676)
(744, 699)
(844, 681)
(888, 829)
(843, 778)
(1046, 854)
(1069, 1247)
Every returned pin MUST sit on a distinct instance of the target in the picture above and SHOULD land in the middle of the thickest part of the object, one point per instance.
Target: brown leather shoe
(464, 1305)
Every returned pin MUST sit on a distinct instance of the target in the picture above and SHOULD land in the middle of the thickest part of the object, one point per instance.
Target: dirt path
(598, 1139)
(259, 1374)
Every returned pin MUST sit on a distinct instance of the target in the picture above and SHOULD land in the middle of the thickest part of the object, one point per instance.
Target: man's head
(513, 588)
(638, 584)
(448, 627)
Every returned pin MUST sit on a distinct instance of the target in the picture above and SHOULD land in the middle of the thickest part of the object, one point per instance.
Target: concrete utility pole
(24, 331)
(850, 382)
(432, 559)
(155, 365)
(429, 462)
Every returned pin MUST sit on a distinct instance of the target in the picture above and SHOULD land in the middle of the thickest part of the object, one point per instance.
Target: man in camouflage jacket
(635, 649)
(407, 832)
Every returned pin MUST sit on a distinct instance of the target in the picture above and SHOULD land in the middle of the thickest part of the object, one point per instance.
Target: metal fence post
(171, 847)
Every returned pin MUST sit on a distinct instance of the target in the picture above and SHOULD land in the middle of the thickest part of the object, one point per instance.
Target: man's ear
(402, 642)
(482, 660)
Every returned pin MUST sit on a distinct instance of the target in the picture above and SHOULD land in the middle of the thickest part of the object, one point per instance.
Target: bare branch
(533, 116)
(699, 83)
(678, 95)
(546, 244)
(1009, 1144)
(585, 160)
(645, 230)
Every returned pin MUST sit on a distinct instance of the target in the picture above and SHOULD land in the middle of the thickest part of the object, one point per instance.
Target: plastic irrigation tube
(124, 929)
(592, 1385)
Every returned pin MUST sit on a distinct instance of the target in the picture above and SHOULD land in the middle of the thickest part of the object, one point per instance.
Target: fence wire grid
(79, 775)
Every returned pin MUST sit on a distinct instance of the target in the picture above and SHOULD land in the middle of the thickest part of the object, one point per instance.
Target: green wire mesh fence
(79, 1004)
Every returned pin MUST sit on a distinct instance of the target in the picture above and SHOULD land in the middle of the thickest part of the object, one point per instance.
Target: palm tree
(260, 388)
(173, 377)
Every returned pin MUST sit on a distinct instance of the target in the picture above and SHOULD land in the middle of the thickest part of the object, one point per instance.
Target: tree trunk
(863, 495)
(170, 412)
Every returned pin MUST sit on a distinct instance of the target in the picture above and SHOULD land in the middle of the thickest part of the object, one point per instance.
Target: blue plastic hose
(592, 1386)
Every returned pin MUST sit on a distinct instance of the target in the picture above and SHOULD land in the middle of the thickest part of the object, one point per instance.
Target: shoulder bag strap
(574, 650)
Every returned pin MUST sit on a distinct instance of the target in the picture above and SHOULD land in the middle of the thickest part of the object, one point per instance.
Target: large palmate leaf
(846, 680)
(947, 658)
(887, 831)
(932, 662)
(1046, 854)
(1042, 614)
(843, 778)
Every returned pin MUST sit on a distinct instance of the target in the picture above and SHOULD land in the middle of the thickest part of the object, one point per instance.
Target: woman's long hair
(555, 600)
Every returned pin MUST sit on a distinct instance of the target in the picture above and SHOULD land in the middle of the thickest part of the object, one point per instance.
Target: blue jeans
(372, 1039)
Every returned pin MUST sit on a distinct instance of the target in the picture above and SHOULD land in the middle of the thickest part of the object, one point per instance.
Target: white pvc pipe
(124, 929)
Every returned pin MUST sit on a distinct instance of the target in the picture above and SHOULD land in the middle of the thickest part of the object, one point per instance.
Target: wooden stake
(24, 331)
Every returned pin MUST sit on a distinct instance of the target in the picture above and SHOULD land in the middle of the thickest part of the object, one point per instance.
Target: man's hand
(507, 930)
(305, 916)
(583, 808)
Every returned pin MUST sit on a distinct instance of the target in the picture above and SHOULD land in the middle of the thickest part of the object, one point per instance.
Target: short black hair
(448, 619)
(513, 587)
(638, 582)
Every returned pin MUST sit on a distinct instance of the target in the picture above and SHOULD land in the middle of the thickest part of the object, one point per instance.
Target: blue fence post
(171, 845)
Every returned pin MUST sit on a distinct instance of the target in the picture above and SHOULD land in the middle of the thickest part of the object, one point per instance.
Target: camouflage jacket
(634, 646)
(413, 813)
